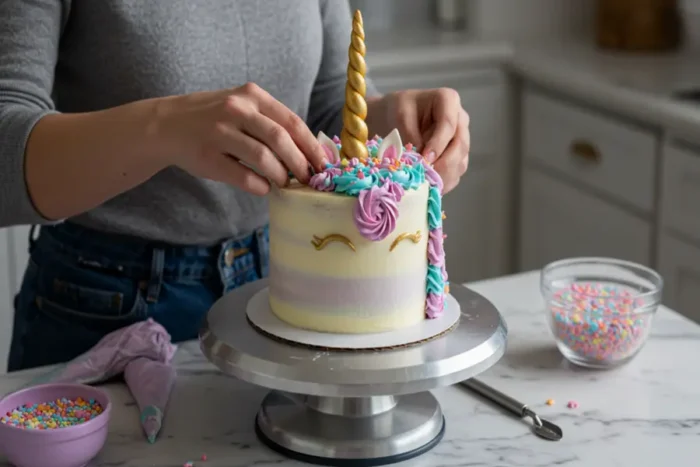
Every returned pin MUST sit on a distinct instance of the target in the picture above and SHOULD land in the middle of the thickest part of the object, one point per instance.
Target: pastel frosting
(379, 183)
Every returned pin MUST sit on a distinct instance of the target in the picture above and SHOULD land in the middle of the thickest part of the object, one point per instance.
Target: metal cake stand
(360, 408)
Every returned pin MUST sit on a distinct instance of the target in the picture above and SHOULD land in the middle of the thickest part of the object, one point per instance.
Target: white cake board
(260, 314)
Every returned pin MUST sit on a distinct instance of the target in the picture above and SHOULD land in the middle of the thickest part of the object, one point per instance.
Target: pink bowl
(72, 446)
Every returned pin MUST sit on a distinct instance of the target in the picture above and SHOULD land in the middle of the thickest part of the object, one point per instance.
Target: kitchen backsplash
(489, 18)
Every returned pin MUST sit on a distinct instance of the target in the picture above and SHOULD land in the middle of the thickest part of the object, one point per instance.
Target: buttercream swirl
(350, 184)
(434, 208)
(434, 305)
(322, 181)
(409, 176)
(395, 189)
(376, 211)
(433, 177)
(436, 251)
(435, 283)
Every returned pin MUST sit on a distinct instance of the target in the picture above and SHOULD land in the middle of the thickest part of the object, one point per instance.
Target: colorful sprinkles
(60, 413)
(599, 322)
(572, 405)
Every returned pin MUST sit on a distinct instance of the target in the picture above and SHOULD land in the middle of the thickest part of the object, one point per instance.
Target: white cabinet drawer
(606, 154)
(558, 221)
(480, 93)
(680, 192)
(679, 265)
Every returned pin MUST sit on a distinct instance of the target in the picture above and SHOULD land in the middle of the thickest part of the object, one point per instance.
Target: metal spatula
(541, 427)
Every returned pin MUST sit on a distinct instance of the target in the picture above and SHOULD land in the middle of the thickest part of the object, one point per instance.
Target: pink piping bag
(113, 353)
(150, 382)
(143, 352)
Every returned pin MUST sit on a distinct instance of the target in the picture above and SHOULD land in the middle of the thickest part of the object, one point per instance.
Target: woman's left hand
(433, 120)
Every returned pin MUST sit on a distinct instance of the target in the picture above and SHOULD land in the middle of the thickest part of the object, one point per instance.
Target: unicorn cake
(360, 248)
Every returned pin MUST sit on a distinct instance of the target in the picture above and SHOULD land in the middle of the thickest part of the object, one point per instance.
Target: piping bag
(150, 382)
(147, 346)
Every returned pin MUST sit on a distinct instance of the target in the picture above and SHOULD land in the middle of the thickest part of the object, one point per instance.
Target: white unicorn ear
(391, 146)
(329, 147)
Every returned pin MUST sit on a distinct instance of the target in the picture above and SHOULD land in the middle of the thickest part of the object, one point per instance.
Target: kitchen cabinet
(679, 265)
(478, 223)
(559, 221)
(573, 200)
(679, 241)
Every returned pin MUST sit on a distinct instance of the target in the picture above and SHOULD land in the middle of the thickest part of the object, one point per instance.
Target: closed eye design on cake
(414, 237)
(321, 243)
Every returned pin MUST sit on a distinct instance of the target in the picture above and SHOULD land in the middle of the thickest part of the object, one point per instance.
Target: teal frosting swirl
(435, 283)
(350, 184)
(410, 177)
(434, 208)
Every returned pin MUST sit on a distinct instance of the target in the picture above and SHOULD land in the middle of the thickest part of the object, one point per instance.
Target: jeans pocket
(85, 294)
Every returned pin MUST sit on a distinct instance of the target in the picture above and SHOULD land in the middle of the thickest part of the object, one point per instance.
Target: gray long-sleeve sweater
(86, 55)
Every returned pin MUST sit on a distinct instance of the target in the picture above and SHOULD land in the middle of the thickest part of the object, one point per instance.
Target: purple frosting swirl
(436, 252)
(376, 211)
(433, 177)
(322, 181)
(395, 189)
(434, 305)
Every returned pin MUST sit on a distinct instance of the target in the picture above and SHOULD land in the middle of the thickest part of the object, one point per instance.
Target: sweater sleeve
(29, 37)
(328, 95)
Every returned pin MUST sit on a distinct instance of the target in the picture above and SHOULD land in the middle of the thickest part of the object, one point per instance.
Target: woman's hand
(432, 120)
(241, 136)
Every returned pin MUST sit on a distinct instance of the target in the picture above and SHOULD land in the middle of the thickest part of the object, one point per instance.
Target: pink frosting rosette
(376, 210)
(322, 181)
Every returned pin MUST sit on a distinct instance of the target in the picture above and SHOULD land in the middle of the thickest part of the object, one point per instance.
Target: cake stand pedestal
(360, 408)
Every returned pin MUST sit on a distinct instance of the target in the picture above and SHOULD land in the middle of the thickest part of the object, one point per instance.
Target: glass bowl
(600, 310)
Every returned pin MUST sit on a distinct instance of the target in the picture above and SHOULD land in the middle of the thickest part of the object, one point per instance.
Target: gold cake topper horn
(353, 138)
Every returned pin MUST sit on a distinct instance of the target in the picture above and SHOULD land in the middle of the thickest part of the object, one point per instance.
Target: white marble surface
(637, 86)
(646, 414)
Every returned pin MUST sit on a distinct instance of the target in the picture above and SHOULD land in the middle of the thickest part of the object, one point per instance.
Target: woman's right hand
(241, 136)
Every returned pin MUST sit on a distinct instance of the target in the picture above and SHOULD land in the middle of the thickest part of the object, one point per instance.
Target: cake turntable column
(351, 407)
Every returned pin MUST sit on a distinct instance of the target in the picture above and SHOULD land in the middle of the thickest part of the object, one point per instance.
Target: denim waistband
(139, 258)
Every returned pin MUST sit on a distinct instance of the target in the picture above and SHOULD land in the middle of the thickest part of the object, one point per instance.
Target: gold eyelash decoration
(320, 243)
(415, 238)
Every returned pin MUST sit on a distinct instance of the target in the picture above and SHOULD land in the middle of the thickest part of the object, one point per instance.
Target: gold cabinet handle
(585, 151)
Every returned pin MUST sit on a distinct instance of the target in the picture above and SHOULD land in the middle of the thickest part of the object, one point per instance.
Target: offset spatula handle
(496, 396)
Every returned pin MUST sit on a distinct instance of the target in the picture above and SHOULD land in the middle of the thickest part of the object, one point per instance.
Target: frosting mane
(378, 182)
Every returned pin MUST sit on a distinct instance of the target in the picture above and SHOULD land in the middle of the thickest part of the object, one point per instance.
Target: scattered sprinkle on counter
(599, 322)
(204, 457)
(550, 402)
(188, 464)
(60, 413)
(572, 405)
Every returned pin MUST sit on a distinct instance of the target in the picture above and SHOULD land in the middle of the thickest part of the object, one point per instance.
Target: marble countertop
(640, 87)
(646, 413)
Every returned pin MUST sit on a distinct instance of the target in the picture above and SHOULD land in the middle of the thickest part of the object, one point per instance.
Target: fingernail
(431, 157)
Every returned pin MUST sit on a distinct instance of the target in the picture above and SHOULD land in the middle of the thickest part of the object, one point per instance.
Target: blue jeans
(81, 285)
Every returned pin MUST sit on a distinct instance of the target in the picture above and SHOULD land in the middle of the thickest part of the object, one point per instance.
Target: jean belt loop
(156, 280)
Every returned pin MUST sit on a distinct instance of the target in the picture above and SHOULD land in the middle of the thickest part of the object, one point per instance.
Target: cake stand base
(339, 408)
(336, 431)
